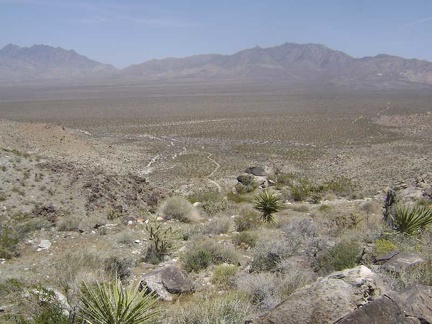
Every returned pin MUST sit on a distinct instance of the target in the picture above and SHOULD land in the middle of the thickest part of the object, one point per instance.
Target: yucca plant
(267, 203)
(412, 219)
(113, 303)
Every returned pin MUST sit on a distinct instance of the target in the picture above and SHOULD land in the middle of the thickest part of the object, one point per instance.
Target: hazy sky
(132, 31)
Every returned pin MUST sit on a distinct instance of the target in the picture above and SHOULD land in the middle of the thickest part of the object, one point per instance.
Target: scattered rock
(402, 261)
(386, 257)
(43, 245)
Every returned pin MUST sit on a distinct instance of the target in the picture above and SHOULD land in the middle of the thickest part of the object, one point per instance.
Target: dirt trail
(219, 188)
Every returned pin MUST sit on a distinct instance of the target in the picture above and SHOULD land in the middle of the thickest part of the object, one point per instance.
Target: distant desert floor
(185, 137)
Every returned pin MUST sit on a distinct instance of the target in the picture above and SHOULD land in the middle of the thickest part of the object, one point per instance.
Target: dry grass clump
(271, 249)
(74, 268)
(224, 275)
(216, 226)
(178, 208)
(248, 219)
(228, 308)
(69, 223)
(266, 289)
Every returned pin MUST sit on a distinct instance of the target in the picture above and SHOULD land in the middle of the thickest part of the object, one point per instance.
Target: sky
(132, 31)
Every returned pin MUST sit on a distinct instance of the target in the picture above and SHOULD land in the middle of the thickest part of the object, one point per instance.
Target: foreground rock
(168, 281)
(328, 299)
(353, 296)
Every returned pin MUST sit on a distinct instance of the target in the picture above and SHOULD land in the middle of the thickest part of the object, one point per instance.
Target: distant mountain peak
(47, 62)
(290, 63)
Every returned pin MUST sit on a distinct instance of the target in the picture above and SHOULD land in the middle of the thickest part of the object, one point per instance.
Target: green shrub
(217, 226)
(271, 249)
(69, 223)
(201, 254)
(211, 202)
(301, 190)
(267, 203)
(383, 246)
(348, 221)
(113, 303)
(177, 208)
(114, 212)
(340, 185)
(245, 238)
(237, 198)
(342, 256)
(247, 220)
(9, 239)
(119, 267)
(325, 208)
(231, 308)
(246, 184)
(223, 275)
(412, 219)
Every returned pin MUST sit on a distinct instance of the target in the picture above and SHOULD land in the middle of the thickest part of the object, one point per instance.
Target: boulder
(416, 303)
(328, 299)
(166, 282)
(401, 262)
(176, 281)
(382, 310)
(256, 171)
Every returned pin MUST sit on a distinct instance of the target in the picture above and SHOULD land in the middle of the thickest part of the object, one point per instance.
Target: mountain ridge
(289, 63)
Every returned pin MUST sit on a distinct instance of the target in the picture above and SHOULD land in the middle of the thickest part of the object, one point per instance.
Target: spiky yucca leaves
(267, 203)
(113, 303)
(412, 219)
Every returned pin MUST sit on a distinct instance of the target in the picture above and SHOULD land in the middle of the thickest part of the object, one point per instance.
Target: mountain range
(302, 64)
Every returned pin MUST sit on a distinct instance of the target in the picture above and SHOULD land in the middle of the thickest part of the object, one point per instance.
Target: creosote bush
(178, 208)
(200, 254)
(247, 220)
(223, 275)
(343, 255)
(245, 238)
(211, 202)
(9, 239)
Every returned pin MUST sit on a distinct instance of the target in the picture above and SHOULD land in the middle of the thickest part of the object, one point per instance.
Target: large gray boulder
(166, 282)
(176, 281)
(328, 299)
